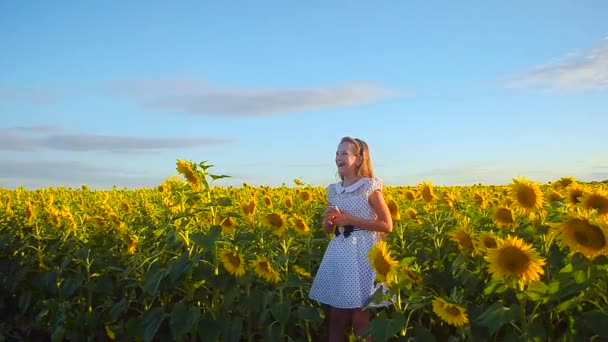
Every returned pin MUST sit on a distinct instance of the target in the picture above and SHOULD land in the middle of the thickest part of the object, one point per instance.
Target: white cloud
(198, 97)
(28, 94)
(43, 173)
(583, 70)
(18, 139)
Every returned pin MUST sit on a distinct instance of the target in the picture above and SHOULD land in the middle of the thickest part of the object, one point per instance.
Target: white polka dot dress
(345, 278)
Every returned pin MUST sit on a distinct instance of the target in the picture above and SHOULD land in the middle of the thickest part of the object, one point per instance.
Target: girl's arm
(384, 222)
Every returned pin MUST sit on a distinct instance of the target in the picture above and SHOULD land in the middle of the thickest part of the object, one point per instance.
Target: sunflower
(555, 196)
(263, 268)
(248, 208)
(410, 274)
(300, 224)
(451, 314)
(463, 237)
(228, 225)
(267, 201)
(484, 242)
(411, 212)
(288, 202)
(305, 196)
(187, 169)
(131, 241)
(480, 199)
(503, 217)
(513, 259)
(97, 221)
(233, 262)
(575, 192)
(382, 262)
(526, 194)
(276, 222)
(564, 182)
(30, 213)
(410, 195)
(426, 192)
(394, 209)
(450, 199)
(301, 271)
(597, 200)
(585, 236)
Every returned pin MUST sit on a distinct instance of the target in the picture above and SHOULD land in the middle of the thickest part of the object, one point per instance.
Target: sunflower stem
(524, 320)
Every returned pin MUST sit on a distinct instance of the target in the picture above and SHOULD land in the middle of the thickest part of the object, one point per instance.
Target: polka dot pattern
(345, 278)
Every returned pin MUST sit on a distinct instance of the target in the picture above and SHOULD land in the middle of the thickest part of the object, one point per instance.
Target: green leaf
(152, 281)
(70, 286)
(494, 287)
(117, 310)
(596, 321)
(566, 305)
(207, 241)
(216, 177)
(538, 291)
(423, 334)
(58, 334)
(179, 266)
(209, 330)
(280, 312)
(383, 329)
(233, 329)
(537, 333)
(183, 319)
(49, 282)
(497, 315)
(151, 322)
(292, 281)
(24, 301)
(310, 314)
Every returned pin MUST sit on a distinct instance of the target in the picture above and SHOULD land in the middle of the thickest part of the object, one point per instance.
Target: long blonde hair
(362, 150)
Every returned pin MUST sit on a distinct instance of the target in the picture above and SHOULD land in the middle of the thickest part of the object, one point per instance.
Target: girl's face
(347, 159)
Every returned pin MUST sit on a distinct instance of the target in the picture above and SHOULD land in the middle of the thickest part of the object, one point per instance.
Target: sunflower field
(190, 261)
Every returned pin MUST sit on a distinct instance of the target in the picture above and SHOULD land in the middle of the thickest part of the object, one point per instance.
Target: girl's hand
(328, 217)
(342, 219)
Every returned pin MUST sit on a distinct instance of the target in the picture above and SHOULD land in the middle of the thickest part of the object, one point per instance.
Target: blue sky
(113, 93)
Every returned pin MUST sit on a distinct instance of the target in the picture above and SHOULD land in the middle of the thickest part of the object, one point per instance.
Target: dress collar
(356, 185)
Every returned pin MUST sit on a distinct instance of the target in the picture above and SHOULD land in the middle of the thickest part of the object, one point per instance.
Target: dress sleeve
(329, 193)
(374, 184)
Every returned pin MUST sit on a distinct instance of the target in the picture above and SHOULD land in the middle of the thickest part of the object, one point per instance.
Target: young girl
(345, 279)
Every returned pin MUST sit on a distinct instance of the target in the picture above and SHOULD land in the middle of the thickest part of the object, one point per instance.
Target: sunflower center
(489, 242)
(574, 195)
(526, 196)
(264, 267)
(504, 215)
(427, 194)
(452, 310)
(382, 266)
(233, 259)
(513, 260)
(589, 236)
(275, 220)
(464, 240)
(598, 202)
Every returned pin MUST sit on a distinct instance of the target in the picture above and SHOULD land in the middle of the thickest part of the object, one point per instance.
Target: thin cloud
(109, 143)
(67, 173)
(28, 94)
(15, 139)
(198, 97)
(35, 129)
(587, 70)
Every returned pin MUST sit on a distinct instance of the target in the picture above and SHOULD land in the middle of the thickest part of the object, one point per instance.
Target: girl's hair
(362, 150)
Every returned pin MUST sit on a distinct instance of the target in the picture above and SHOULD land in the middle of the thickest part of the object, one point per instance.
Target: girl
(345, 279)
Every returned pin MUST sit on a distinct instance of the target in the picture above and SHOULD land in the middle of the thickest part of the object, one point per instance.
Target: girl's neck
(350, 180)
